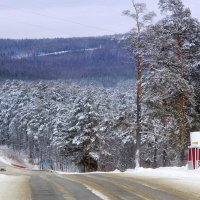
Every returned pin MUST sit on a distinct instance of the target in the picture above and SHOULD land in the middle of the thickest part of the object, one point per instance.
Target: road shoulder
(15, 187)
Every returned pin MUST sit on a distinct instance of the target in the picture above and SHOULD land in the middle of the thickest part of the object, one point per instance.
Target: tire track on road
(91, 184)
(66, 194)
(78, 190)
(135, 191)
(152, 185)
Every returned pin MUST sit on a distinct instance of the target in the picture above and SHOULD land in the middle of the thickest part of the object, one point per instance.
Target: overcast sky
(70, 18)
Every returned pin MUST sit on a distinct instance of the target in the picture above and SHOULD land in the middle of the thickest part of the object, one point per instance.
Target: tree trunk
(138, 122)
(155, 154)
(164, 158)
(182, 128)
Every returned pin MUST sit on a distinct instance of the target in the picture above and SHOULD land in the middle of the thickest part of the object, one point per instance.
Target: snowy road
(107, 187)
(27, 185)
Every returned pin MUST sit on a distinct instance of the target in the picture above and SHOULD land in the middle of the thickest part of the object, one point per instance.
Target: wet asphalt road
(97, 186)
(47, 186)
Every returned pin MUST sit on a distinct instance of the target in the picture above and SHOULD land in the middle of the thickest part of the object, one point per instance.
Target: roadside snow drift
(167, 172)
(14, 188)
(179, 180)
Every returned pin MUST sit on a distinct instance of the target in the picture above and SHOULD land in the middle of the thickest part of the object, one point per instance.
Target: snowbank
(164, 172)
(16, 159)
(5, 160)
(167, 172)
(8, 156)
(175, 179)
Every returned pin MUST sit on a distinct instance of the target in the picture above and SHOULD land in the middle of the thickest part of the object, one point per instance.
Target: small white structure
(194, 151)
(195, 138)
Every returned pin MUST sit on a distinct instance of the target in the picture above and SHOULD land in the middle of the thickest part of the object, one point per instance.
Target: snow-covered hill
(88, 58)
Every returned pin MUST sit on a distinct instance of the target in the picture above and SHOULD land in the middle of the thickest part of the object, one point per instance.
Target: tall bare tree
(137, 45)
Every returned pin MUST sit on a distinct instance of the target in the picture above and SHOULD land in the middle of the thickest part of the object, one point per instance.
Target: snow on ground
(167, 172)
(177, 175)
(5, 160)
(4, 155)
(9, 157)
(164, 172)
(14, 188)
(97, 172)
(175, 179)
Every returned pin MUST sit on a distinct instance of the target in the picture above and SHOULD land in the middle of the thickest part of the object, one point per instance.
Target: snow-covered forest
(62, 123)
(88, 127)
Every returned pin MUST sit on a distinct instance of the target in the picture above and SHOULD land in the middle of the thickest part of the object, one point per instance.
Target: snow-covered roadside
(167, 172)
(16, 159)
(96, 172)
(162, 172)
(3, 156)
(178, 180)
(5, 160)
(14, 188)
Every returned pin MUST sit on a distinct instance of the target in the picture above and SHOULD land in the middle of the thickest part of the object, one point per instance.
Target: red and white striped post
(194, 151)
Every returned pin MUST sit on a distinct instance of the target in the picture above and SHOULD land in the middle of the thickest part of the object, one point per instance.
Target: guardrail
(19, 166)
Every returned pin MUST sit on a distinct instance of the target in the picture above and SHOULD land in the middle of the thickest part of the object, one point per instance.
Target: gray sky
(70, 18)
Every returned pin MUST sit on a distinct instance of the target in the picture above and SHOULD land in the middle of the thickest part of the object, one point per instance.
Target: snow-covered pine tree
(174, 51)
(118, 130)
(196, 83)
(13, 98)
(137, 44)
(82, 139)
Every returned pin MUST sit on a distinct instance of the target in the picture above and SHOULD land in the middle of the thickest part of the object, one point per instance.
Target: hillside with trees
(101, 59)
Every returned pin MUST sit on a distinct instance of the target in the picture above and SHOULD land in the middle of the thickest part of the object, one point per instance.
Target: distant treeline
(93, 57)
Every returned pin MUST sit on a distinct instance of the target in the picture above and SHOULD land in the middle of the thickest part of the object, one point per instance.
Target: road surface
(37, 185)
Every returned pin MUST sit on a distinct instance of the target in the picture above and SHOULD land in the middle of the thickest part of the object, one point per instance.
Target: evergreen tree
(82, 139)
(174, 51)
